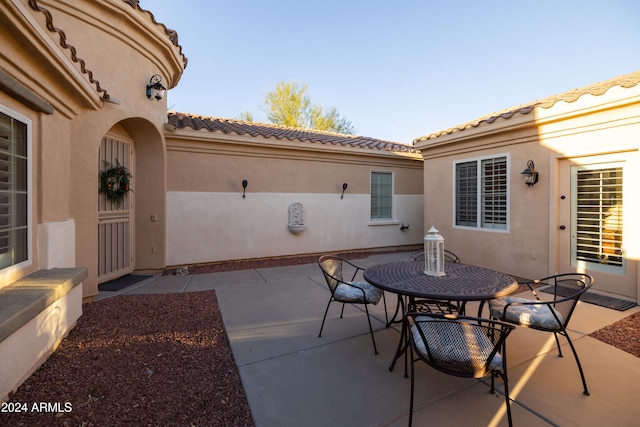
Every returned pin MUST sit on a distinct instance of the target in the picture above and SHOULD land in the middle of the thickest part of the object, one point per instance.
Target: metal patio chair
(461, 346)
(349, 291)
(548, 316)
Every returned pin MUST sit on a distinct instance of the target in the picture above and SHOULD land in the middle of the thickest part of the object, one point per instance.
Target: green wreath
(115, 182)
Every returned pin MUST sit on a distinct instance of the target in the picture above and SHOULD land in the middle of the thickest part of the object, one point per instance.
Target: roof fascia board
(616, 97)
(224, 144)
(499, 133)
(57, 60)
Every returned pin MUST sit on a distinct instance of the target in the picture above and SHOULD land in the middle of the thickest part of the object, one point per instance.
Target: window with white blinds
(381, 195)
(494, 193)
(598, 216)
(13, 191)
(481, 193)
(467, 194)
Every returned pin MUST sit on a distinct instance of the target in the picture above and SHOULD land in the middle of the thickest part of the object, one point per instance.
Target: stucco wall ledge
(36, 313)
(26, 298)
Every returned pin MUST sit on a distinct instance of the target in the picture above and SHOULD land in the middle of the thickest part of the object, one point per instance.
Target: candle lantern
(433, 253)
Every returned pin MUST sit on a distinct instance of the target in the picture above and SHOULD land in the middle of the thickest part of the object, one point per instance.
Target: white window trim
(384, 221)
(479, 160)
(8, 272)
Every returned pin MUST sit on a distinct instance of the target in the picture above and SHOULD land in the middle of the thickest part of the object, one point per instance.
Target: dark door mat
(122, 282)
(597, 299)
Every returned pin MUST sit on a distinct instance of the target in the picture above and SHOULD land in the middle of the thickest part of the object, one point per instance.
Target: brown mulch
(217, 267)
(623, 334)
(144, 360)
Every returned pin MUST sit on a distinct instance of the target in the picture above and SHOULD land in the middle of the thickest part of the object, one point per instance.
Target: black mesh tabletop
(461, 283)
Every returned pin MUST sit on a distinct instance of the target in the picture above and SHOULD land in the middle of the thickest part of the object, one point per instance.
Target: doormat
(122, 282)
(597, 299)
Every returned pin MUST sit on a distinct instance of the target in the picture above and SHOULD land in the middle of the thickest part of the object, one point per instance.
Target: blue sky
(397, 70)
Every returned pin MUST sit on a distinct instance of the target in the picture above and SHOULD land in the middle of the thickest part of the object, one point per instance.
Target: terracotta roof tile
(65, 45)
(172, 34)
(595, 89)
(267, 130)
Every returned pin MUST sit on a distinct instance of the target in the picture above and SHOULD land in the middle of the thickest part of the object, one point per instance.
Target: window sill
(384, 222)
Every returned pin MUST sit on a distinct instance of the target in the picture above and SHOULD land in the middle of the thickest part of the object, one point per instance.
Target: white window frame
(9, 271)
(479, 196)
(381, 221)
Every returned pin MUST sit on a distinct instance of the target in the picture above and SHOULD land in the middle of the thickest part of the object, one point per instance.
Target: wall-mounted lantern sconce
(244, 187)
(530, 174)
(155, 90)
(344, 188)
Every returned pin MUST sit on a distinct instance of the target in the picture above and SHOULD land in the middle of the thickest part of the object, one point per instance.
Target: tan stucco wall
(208, 220)
(606, 125)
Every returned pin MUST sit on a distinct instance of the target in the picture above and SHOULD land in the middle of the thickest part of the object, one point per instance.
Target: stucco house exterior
(349, 192)
(581, 215)
(73, 78)
(79, 111)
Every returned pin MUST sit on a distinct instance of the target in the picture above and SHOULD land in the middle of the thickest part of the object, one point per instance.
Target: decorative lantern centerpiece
(434, 253)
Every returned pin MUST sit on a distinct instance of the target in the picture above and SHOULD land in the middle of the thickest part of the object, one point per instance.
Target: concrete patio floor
(294, 378)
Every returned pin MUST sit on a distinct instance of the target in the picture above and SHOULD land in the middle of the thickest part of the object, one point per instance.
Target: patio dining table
(462, 283)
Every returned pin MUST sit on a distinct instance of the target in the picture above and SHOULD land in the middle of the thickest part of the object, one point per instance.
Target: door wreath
(115, 182)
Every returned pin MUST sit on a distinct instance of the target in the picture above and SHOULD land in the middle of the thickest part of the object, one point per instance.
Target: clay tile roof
(267, 130)
(172, 34)
(595, 89)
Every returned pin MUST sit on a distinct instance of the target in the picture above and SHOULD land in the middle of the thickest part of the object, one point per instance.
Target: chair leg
(375, 349)
(410, 350)
(325, 316)
(386, 316)
(575, 355)
(558, 344)
(507, 400)
(342, 311)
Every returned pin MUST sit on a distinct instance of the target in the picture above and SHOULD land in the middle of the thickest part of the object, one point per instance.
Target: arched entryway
(116, 207)
(131, 234)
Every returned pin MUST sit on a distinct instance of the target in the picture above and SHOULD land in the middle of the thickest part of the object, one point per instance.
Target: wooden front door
(115, 246)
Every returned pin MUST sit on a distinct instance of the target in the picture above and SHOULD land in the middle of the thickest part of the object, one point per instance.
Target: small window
(481, 193)
(381, 195)
(14, 215)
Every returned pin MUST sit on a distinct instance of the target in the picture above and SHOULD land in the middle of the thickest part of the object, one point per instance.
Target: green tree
(290, 105)
(247, 116)
(330, 120)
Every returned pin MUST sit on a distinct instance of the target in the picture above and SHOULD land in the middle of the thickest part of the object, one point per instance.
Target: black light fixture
(530, 174)
(344, 187)
(244, 187)
(155, 90)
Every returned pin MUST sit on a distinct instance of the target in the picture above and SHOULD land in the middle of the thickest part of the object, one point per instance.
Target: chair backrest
(448, 256)
(462, 346)
(331, 267)
(567, 289)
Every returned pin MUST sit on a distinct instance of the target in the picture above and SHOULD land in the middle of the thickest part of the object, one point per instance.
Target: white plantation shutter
(467, 194)
(13, 191)
(481, 193)
(494, 193)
